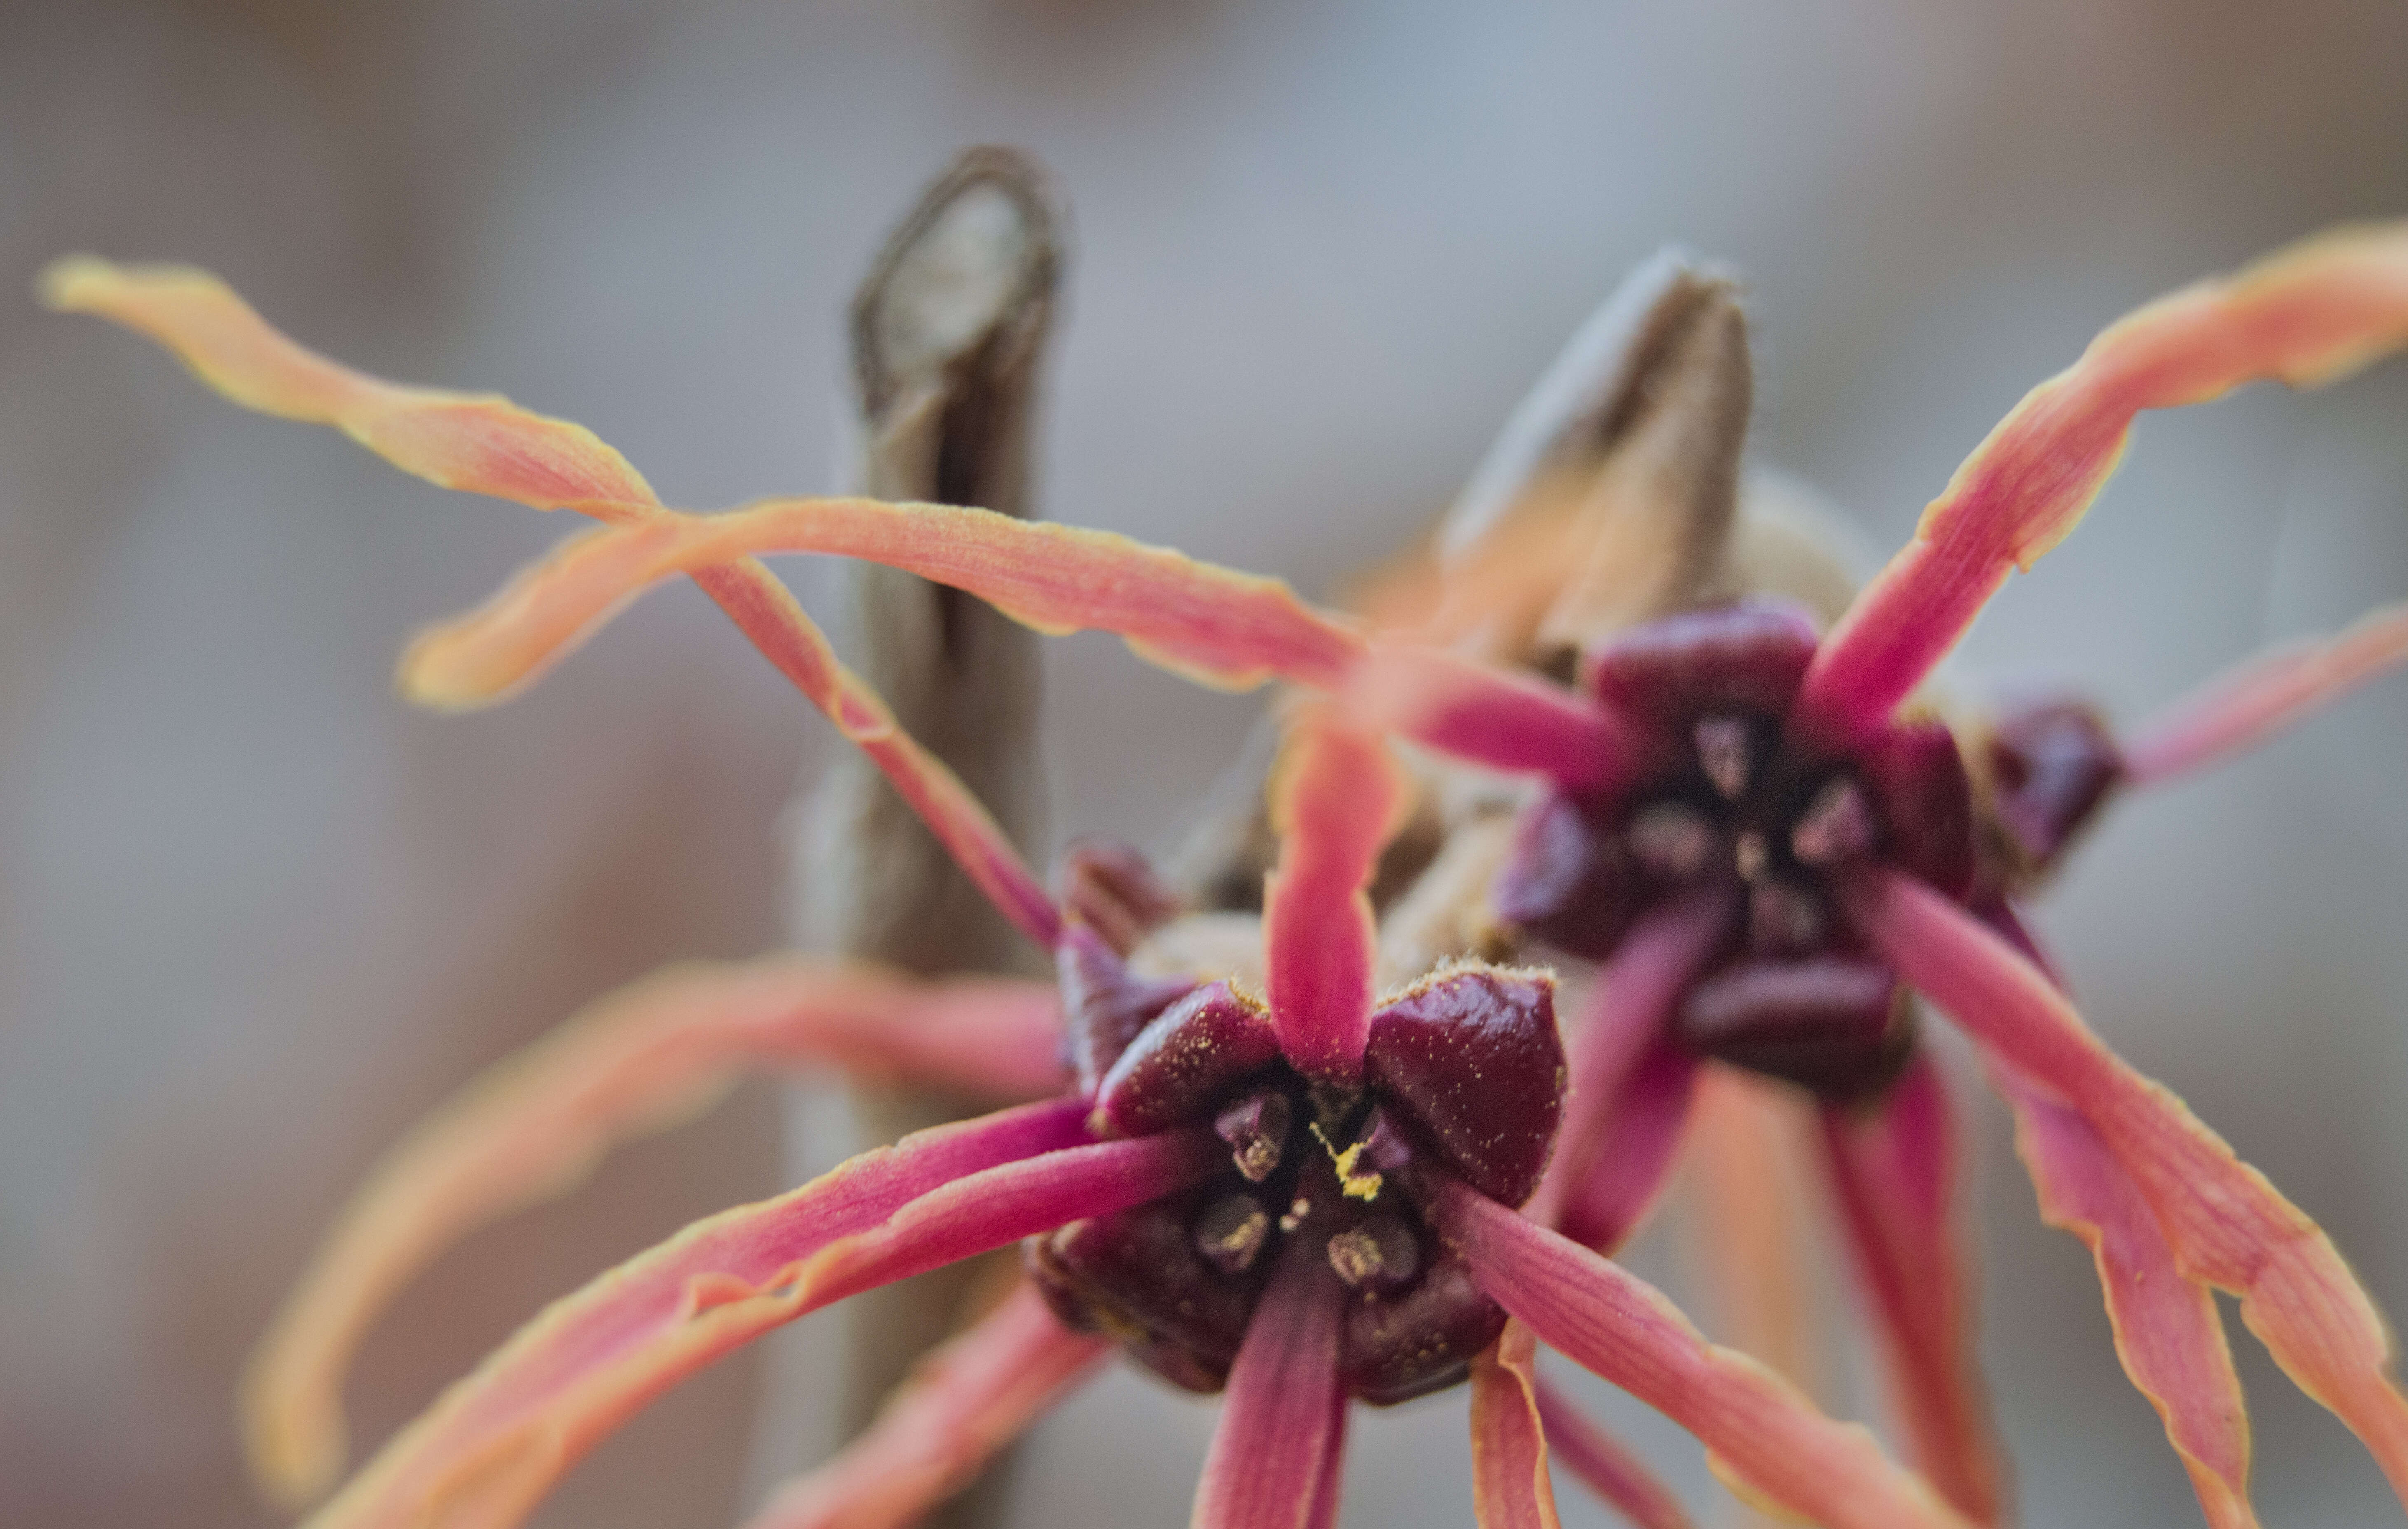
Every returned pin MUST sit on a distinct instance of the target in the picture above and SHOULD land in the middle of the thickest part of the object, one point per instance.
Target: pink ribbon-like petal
(2241, 709)
(1628, 1085)
(1223, 628)
(2225, 1224)
(2307, 315)
(2168, 1332)
(482, 443)
(489, 1450)
(1499, 717)
(1219, 627)
(1605, 1464)
(641, 1060)
(1274, 1460)
(1334, 801)
(1763, 1432)
(1893, 1168)
(1509, 1488)
(966, 1401)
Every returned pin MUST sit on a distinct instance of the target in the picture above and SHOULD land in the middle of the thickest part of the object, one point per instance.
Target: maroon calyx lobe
(1839, 1025)
(1105, 1005)
(1110, 887)
(2052, 766)
(1744, 800)
(1463, 1080)
(1470, 1055)
(1183, 1063)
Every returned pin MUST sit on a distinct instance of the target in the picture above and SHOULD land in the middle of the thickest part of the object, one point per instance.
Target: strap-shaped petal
(1499, 717)
(1334, 802)
(2308, 315)
(966, 1400)
(1273, 1460)
(1753, 1227)
(1605, 1464)
(2167, 1330)
(2249, 704)
(1894, 1168)
(482, 443)
(2225, 1225)
(1629, 1146)
(641, 1060)
(489, 1450)
(1761, 1429)
(1628, 1087)
(1221, 628)
(1509, 1488)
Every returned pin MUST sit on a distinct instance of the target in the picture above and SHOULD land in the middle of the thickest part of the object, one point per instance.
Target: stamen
(1257, 1130)
(1752, 855)
(1357, 1182)
(1837, 824)
(1380, 1253)
(1231, 1233)
(1673, 841)
(1783, 917)
(1722, 750)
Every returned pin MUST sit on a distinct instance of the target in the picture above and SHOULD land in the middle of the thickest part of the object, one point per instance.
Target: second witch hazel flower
(1750, 819)
(1303, 1193)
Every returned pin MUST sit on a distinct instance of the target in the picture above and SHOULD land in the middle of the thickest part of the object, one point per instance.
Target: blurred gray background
(255, 916)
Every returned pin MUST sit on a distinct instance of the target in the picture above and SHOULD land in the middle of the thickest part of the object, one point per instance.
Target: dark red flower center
(1463, 1077)
(1732, 796)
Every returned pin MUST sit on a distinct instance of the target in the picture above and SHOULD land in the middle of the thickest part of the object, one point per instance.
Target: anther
(1255, 1128)
(1837, 824)
(1722, 750)
(1298, 1210)
(1381, 1252)
(1673, 841)
(1751, 855)
(1355, 1180)
(1231, 1233)
(1783, 918)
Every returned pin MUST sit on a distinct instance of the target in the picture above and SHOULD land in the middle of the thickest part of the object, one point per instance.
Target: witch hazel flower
(1764, 838)
(1303, 1196)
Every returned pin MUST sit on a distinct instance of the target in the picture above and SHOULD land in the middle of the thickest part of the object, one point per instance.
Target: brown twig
(948, 332)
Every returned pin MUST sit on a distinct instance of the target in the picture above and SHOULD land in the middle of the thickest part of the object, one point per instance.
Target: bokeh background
(255, 916)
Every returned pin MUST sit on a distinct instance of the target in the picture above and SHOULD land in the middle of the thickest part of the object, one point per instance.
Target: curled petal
(2307, 315)
(2167, 1330)
(641, 1060)
(479, 443)
(1211, 624)
(1894, 1170)
(2241, 709)
(2225, 1225)
(482, 443)
(1604, 1465)
(493, 1444)
(967, 1400)
(1628, 1086)
(1762, 1430)
(1509, 1488)
(1499, 717)
(1273, 1464)
(1334, 803)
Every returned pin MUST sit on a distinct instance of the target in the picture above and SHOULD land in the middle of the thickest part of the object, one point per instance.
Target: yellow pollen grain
(1357, 1183)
